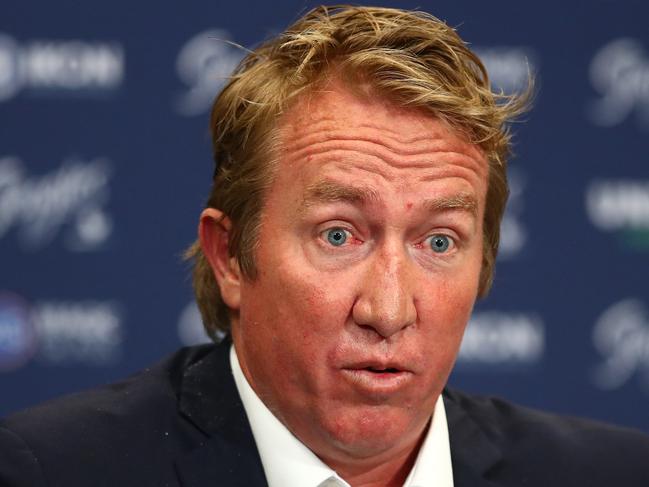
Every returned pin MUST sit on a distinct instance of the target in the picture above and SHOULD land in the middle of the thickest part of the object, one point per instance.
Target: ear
(214, 234)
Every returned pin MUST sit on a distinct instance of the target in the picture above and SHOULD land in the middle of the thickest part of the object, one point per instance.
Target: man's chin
(369, 434)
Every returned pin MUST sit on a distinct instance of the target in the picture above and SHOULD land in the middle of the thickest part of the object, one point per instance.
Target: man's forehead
(335, 107)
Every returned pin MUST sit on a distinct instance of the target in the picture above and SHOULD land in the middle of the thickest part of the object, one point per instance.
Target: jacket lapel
(473, 454)
(209, 399)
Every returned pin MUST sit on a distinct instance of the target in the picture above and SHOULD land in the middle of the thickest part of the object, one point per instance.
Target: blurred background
(105, 165)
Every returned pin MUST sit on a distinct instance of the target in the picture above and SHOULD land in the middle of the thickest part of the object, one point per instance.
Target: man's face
(369, 256)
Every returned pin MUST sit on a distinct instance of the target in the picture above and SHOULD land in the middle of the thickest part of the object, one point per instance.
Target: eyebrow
(332, 192)
(463, 201)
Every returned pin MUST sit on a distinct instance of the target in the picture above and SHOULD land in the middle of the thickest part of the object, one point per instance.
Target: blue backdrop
(105, 165)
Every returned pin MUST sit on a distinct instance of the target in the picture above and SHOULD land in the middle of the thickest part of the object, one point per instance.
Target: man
(352, 223)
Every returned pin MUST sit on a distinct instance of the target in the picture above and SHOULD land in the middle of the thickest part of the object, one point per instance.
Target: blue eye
(336, 236)
(440, 243)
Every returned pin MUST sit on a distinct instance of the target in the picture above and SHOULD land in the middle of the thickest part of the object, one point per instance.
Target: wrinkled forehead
(338, 106)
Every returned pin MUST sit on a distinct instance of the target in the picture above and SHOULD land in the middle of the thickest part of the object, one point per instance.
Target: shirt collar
(433, 465)
(288, 462)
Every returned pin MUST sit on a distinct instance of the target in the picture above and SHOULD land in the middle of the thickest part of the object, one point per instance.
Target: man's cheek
(316, 297)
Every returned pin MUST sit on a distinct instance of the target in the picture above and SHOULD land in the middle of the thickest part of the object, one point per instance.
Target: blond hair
(410, 57)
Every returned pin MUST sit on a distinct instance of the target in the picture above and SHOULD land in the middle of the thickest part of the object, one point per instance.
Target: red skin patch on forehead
(409, 205)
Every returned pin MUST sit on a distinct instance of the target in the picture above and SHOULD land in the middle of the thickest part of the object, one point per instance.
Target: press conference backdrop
(105, 165)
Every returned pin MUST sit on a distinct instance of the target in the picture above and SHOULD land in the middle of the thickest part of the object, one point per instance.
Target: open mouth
(378, 380)
(376, 370)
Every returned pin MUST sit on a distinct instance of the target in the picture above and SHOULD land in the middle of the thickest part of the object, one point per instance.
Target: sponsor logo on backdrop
(509, 67)
(621, 336)
(71, 332)
(503, 339)
(619, 73)
(66, 202)
(59, 332)
(204, 64)
(17, 335)
(513, 232)
(59, 66)
(621, 207)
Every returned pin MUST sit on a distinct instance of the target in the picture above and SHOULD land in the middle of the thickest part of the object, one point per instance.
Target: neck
(388, 470)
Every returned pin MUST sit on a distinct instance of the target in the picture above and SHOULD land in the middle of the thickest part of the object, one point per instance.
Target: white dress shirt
(288, 462)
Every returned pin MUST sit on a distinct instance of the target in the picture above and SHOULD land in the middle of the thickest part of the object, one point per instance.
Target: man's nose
(386, 301)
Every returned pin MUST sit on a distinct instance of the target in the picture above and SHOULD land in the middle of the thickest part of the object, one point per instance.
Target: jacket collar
(209, 400)
(473, 453)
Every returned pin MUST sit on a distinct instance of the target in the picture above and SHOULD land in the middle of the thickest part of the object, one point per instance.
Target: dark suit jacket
(181, 423)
